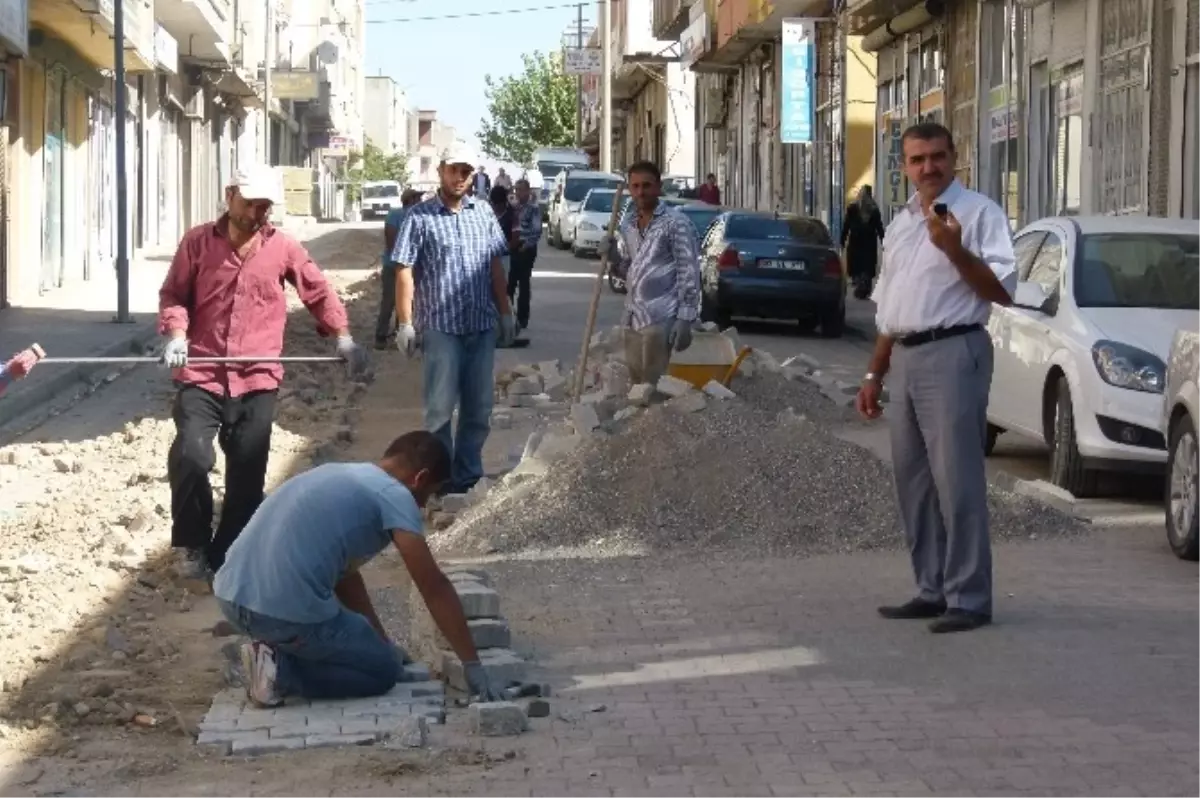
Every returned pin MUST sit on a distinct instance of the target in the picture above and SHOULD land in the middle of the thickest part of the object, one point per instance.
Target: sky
(441, 63)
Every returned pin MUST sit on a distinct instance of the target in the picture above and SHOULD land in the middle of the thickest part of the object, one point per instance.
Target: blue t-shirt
(394, 218)
(307, 534)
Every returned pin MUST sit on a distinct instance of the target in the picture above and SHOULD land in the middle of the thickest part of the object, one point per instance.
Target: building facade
(388, 122)
(433, 137)
(195, 111)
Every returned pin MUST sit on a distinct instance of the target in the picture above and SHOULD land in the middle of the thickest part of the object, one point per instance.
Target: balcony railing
(670, 18)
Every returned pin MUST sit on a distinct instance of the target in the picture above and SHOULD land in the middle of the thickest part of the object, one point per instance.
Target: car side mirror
(1033, 296)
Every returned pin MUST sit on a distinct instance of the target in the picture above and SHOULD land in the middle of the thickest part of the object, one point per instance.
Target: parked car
(1181, 412)
(772, 266)
(570, 187)
(1080, 356)
(379, 197)
(592, 220)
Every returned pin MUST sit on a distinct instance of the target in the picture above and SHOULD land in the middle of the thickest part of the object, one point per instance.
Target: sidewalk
(77, 321)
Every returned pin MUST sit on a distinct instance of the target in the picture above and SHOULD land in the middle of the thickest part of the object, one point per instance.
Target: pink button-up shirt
(231, 306)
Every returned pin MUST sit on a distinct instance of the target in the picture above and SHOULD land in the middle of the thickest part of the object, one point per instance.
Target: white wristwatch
(871, 376)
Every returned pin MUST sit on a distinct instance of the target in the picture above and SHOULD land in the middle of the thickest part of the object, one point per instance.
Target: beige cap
(259, 182)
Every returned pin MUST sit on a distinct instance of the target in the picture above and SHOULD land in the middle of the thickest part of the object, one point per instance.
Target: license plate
(786, 265)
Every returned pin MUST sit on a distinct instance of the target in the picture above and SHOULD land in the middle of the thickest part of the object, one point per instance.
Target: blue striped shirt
(663, 268)
(451, 258)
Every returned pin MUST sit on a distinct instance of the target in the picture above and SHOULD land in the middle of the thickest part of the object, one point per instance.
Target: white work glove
(508, 330)
(479, 684)
(358, 364)
(175, 353)
(407, 340)
(679, 337)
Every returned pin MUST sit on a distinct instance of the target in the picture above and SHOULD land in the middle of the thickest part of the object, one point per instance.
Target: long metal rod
(122, 264)
(191, 360)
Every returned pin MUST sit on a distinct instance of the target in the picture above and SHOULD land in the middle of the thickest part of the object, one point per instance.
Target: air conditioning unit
(194, 107)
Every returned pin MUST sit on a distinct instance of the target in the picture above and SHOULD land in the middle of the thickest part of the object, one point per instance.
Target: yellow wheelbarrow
(712, 356)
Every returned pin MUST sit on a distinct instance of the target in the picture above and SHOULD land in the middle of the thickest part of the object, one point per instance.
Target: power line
(474, 14)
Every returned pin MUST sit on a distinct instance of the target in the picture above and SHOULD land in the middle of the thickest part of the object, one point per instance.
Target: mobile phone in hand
(940, 209)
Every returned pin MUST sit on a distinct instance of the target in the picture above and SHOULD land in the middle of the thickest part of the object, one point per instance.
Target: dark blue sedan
(772, 266)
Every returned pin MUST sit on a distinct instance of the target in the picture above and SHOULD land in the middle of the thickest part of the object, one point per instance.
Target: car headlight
(1127, 366)
(588, 227)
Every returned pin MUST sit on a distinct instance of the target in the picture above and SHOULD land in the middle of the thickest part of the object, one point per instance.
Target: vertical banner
(796, 83)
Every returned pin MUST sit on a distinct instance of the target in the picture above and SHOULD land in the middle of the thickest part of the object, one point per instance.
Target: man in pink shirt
(224, 297)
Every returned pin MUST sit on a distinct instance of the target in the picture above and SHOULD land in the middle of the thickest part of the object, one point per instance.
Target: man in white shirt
(947, 257)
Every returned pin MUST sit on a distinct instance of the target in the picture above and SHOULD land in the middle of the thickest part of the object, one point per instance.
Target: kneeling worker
(291, 581)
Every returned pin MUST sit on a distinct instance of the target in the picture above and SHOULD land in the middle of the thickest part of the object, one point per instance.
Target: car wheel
(576, 251)
(833, 323)
(616, 284)
(989, 443)
(807, 324)
(1067, 470)
(1183, 470)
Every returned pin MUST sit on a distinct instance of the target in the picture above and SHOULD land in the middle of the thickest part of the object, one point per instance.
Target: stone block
(548, 367)
(1047, 493)
(412, 732)
(584, 417)
(497, 719)
(502, 421)
(555, 387)
(218, 726)
(628, 412)
(641, 394)
(252, 721)
(673, 386)
(593, 397)
(538, 708)
(490, 633)
(368, 724)
(266, 745)
(692, 402)
(718, 391)
(503, 668)
(765, 361)
(432, 713)
(456, 572)
(415, 672)
(333, 740)
(614, 379)
(477, 600)
(525, 386)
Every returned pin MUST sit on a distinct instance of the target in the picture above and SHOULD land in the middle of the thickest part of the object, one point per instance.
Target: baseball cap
(259, 182)
(458, 152)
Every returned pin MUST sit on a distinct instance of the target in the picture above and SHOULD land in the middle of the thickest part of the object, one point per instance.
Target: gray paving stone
(332, 740)
(363, 725)
(416, 672)
(267, 745)
(497, 718)
(290, 729)
(256, 719)
(490, 633)
(477, 601)
(503, 667)
(219, 726)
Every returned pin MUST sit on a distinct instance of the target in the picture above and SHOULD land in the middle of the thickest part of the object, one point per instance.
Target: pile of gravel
(762, 472)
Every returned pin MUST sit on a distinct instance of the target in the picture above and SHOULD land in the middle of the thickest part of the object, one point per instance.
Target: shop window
(1066, 102)
(932, 73)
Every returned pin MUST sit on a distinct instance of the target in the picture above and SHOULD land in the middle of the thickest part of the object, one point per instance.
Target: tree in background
(533, 109)
(373, 164)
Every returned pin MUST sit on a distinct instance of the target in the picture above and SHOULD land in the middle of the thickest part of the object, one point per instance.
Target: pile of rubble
(637, 468)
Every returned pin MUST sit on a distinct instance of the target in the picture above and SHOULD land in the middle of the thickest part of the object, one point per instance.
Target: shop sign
(582, 61)
(796, 83)
(14, 25)
(693, 44)
(894, 173)
(1003, 125)
(295, 85)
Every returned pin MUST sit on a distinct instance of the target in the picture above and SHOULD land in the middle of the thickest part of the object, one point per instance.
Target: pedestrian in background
(949, 256)
(862, 232)
(524, 248)
(708, 191)
(503, 180)
(481, 184)
(385, 324)
(657, 250)
(223, 296)
(450, 295)
(505, 216)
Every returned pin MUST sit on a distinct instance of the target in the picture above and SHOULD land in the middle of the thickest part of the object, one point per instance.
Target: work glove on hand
(21, 363)
(358, 363)
(508, 330)
(679, 337)
(479, 683)
(407, 340)
(175, 353)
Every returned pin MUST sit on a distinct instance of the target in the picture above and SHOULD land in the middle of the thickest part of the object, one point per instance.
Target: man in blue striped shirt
(450, 289)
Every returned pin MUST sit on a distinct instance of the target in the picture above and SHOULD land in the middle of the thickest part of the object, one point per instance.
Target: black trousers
(385, 324)
(242, 426)
(520, 271)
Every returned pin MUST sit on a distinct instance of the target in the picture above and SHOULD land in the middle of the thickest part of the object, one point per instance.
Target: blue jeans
(458, 373)
(343, 657)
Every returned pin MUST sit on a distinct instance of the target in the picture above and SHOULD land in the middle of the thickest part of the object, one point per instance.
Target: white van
(570, 187)
(548, 163)
(379, 197)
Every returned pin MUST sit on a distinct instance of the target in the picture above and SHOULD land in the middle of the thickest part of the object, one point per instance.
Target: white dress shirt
(919, 288)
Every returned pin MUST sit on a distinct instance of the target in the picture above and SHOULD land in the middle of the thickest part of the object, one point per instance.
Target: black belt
(937, 334)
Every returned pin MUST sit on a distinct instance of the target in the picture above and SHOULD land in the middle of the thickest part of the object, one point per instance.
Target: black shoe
(381, 344)
(915, 609)
(959, 621)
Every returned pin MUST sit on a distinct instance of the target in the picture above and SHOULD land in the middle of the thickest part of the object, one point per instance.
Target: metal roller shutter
(1069, 31)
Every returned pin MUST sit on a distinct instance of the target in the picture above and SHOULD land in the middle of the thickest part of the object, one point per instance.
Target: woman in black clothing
(861, 234)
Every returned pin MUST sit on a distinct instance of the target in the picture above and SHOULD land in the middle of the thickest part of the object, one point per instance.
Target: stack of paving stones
(237, 727)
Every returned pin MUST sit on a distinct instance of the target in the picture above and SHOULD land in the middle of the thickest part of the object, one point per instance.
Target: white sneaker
(259, 671)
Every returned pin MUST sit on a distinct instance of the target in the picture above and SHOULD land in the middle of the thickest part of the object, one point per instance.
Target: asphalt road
(562, 289)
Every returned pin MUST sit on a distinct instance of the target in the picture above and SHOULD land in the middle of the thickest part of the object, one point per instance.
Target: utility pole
(122, 264)
(606, 109)
(268, 60)
(579, 78)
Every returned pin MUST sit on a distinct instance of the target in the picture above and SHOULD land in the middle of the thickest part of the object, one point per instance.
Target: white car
(570, 187)
(1080, 357)
(1181, 414)
(592, 220)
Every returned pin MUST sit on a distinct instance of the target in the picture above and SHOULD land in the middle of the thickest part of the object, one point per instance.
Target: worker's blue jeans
(458, 373)
(343, 657)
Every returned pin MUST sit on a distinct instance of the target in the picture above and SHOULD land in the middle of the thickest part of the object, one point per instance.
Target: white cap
(459, 152)
(259, 182)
